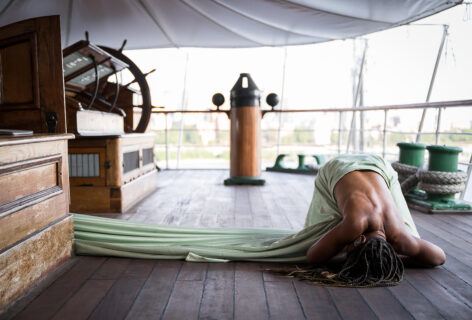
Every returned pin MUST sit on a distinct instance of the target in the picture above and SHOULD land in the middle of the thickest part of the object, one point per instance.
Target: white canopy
(220, 23)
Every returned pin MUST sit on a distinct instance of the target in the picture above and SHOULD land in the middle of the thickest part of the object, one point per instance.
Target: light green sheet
(120, 238)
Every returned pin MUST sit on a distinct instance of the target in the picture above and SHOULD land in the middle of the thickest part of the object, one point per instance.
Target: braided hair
(371, 264)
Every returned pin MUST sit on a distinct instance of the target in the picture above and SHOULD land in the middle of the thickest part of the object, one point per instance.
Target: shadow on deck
(114, 288)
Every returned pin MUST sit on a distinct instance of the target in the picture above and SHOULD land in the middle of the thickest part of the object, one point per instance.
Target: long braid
(372, 264)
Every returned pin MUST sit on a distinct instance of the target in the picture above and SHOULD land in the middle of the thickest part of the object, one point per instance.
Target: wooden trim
(36, 138)
(36, 197)
(29, 200)
(30, 164)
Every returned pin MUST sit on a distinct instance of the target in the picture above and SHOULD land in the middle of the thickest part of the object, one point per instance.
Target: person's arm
(417, 252)
(335, 241)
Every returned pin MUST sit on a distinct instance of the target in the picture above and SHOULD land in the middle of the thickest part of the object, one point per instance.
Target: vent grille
(84, 165)
(147, 156)
(130, 161)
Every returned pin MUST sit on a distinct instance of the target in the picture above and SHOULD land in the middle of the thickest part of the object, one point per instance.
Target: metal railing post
(184, 107)
(340, 131)
(384, 143)
(167, 141)
(282, 98)
(438, 125)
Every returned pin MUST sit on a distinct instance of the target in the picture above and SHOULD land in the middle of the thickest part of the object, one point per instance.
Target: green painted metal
(301, 168)
(443, 158)
(236, 181)
(442, 204)
(301, 162)
(320, 159)
(278, 162)
(411, 153)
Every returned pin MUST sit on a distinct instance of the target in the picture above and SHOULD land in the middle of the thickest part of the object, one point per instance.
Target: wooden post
(245, 163)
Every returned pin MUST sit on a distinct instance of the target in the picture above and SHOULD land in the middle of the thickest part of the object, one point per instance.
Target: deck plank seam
(234, 290)
(452, 293)
(298, 298)
(106, 293)
(265, 291)
(441, 225)
(427, 299)
(368, 305)
(204, 283)
(331, 299)
(140, 289)
(75, 291)
(170, 293)
(451, 223)
(430, 229)
(399, 302)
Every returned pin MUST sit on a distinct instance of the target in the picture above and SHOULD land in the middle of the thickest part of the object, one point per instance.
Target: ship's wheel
(140, 85)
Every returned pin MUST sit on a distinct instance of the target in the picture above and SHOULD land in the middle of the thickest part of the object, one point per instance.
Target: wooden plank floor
(112, 288)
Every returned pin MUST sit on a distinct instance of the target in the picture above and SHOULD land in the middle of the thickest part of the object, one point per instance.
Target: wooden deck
(112, 288)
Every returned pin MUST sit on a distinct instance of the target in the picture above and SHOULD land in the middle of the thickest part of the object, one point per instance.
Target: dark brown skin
(368, 209)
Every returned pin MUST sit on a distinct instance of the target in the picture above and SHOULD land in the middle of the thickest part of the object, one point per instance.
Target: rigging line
(224, 5)
(69, 21)
(334, 13)
(146, 9)
(203, 14)
(6, 7)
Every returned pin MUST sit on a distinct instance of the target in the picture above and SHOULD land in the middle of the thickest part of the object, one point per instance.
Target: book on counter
(15, 133)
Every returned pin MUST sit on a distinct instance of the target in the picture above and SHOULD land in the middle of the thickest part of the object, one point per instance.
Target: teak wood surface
(120, 288)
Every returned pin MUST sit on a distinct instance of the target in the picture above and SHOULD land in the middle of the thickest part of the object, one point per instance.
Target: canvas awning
(220, 23)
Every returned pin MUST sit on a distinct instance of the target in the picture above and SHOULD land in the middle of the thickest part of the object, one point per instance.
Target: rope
(436, 182)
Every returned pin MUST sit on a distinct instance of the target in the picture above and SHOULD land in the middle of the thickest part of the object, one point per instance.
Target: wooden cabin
(66, 159)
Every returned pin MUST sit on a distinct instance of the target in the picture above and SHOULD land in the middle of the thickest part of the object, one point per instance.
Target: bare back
(365, 195)
(368, 210)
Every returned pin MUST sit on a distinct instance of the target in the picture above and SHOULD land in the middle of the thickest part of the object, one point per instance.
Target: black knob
(218, 99)
(272, 100)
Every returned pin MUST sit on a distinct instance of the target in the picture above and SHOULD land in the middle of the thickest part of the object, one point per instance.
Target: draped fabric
(220, 23)
(111, 237)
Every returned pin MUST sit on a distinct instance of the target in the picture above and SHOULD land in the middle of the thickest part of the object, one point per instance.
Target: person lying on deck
(357, 210)
(376, 229)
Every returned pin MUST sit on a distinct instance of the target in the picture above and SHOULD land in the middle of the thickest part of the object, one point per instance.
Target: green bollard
(411, 153)
(442, 158)
(301, 162)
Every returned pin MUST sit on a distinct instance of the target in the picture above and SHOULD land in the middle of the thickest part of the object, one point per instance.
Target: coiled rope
(436, 182)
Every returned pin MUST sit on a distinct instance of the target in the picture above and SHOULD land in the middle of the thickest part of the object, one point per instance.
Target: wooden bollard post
(245, 150)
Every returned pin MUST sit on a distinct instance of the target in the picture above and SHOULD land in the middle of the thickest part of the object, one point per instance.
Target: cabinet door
(31, 76)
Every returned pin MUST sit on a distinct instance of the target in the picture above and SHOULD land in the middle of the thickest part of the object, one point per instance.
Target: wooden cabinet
(31, 80)
(36, 229)
(110, 174)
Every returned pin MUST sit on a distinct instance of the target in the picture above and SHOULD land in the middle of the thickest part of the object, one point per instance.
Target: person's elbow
(439, 259)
